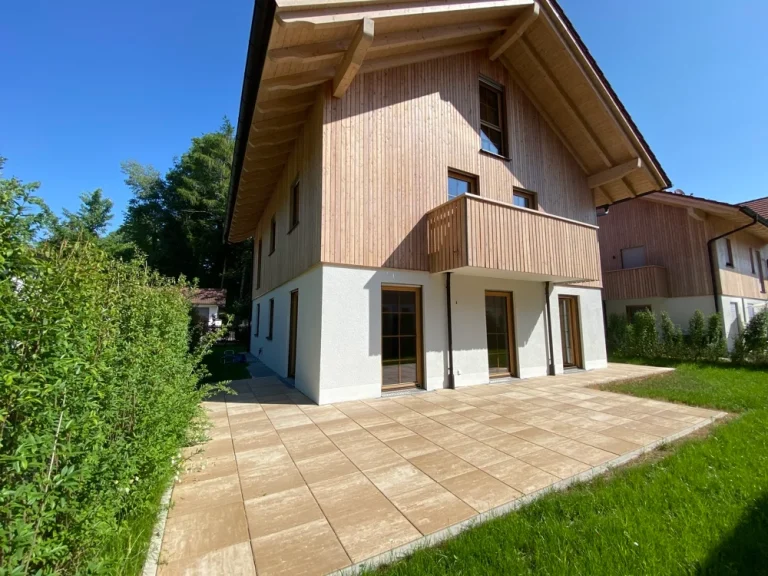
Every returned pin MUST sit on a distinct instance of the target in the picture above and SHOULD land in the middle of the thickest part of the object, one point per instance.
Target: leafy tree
(671, 336)
(698, 335)
(718, 347)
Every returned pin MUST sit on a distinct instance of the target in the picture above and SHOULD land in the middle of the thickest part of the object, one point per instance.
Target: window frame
(728, 253)
(760, 271)
(258, 263)
(523, 193)
(498, 89)
(270, 332)
(272, 234)
(295, 203)
(471, 179)
(752, 259)
(645, 256)
(258, 318)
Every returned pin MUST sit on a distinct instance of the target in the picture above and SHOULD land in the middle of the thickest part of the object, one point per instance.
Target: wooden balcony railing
(470, 231)
(631, 283)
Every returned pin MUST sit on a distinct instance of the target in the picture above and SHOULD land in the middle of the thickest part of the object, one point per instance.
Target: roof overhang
(298, 45)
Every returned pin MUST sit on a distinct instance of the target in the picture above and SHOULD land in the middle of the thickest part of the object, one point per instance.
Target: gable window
(524, 199)
(729, 253)
(294, 206)
(492, 136)
(271, 318)
(460, 183)
(258, 318)
(272, 234)
(258, 266)
(633, 257)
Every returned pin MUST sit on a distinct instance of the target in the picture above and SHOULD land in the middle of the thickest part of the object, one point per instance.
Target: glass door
(569, 332)
(499, 334)
(400, 336)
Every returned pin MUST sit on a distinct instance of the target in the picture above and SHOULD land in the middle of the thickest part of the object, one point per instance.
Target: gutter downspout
(712, 272)
(451, 381)
(550, 347)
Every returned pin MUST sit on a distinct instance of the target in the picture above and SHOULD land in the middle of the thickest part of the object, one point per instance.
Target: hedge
(99, 393)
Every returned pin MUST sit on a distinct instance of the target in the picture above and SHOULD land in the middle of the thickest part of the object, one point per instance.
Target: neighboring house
(420, 182)
(206, 303)
(676, 253)
(759, 205)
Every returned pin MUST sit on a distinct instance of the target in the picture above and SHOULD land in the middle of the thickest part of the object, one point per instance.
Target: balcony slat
(634, 283)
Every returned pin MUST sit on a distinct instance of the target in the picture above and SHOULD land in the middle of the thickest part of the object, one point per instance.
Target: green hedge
(99, 392)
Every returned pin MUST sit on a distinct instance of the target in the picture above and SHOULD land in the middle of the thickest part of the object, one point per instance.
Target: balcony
(470, 233)
(632, 283)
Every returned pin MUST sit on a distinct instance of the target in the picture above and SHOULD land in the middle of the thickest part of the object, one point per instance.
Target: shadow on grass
(671, 363)
(745, 550)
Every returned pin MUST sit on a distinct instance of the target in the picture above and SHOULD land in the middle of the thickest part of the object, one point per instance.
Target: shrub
(644, 340)
(756, 338)
(717, 346)
(99, 388)
(616, 334)
(697, 335)
(671, 337)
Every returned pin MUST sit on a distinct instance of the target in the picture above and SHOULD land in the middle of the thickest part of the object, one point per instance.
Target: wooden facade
(675, 232)
(477, 232)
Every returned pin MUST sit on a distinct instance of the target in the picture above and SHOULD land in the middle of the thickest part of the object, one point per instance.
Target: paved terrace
(288, 487)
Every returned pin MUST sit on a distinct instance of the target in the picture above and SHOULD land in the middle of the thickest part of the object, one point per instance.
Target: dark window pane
(389, 300)
(457, 187)
(490, 139)
(407, 349)
(408, 324)
(522, 201)
(390, 374)
(489, 105)
(408, 372)
(390, 324)
(407, 302)
(389, 350)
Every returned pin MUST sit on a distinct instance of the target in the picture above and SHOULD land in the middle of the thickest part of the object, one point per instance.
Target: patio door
(292, 334)
(499, 332)
(569, 332)
(401, 362)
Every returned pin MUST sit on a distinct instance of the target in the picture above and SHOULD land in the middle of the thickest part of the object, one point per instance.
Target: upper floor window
(258, 318)
(272, 234)
(459, 183)
(752, 259)
(729, 253)
(760, 275)
(633, 257)
(294, 206)
(524, 199)
(492, 136)
(271, 324)
(258, 265)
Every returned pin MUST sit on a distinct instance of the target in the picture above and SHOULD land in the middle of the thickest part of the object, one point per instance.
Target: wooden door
(569, 332)
(292, 334)
(500, 334)
(401, 346)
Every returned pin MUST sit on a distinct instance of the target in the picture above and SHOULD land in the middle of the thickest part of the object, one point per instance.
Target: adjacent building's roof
(207, 297)
(739, 214)
(759, 205)
(296, 46)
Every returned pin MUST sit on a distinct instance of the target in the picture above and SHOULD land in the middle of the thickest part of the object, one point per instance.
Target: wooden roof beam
(290, 104)
(300, 81)
(326, 15)
(422, 55)
(273, 140)
(614, 173)
(354, 57)
(278, 124)
(514, 32)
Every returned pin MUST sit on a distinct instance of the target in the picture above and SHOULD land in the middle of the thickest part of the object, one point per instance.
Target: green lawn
(222, 372)
(701, 509)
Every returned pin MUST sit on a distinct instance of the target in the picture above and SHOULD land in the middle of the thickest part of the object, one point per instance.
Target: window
(258, 318)
(459, 183)
(294, 206)
(492, 137)
(258, 265)
(271, 318)
(632, 310)
(524, 199)
(750, 311)
(752, 259)
(633, 257)
(729, 255)
(272, 234)
(760, 276)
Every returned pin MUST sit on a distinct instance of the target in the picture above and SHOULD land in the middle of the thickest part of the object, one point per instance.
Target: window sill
(292, 228)
(494, 155)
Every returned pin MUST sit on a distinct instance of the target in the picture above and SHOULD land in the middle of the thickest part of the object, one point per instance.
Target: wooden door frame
(419, 345)
(576, 341)
(293, 328)
(511, 341)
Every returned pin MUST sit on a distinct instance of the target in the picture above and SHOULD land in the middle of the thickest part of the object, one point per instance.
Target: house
(419, 180)
(206, 303)
(677, 253)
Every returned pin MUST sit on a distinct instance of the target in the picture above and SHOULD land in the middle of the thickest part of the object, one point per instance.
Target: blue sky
(89, 84)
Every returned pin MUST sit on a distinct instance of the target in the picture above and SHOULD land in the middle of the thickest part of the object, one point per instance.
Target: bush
(643, 337)
(616, 334)
(99, 388)
(697, 336)
(671, 337)
(717, 346)
(754, 339)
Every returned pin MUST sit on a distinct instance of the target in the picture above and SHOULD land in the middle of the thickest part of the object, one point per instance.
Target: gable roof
(207, 296)
(759, 205)
(296, 46)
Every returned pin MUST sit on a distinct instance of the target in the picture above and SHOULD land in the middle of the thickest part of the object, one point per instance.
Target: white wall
(680, 310)
(274, 353)
(350, 366)
(591, 328)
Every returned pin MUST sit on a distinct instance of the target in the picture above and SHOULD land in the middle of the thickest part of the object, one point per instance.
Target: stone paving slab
(288, 487)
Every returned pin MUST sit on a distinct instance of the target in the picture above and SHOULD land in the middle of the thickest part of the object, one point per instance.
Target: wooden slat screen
(643, 282)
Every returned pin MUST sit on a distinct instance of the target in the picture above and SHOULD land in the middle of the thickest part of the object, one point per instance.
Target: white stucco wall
(680, 310)
(729, 318)
(591, 329)
(274, 352)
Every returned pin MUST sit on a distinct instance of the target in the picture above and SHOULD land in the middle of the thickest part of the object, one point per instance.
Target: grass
(701, 509)
(221, 372)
